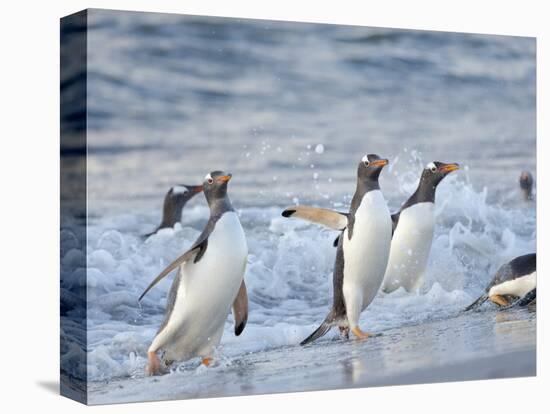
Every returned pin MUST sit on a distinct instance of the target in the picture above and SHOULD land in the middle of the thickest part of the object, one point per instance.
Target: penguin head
(184, 190)
(526, 184)
(181, 194)
(370, 167)
(215, 185)
(436, 171)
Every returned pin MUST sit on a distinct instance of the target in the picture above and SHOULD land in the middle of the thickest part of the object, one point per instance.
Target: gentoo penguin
(526, 185)
(209, 282)
(362, 250)
(413, 229)
(174, 201)
(516, 279)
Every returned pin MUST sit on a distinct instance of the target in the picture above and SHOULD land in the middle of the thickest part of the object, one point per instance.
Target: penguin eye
(432, 167)
(210, 181)
(366, 163)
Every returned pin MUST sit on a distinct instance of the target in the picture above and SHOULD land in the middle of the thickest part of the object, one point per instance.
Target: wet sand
(478, 345)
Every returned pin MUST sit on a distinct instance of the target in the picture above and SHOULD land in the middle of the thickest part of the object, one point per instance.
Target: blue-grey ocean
(289, 109)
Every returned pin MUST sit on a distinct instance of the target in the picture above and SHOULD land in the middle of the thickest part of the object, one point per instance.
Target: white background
(29, 194)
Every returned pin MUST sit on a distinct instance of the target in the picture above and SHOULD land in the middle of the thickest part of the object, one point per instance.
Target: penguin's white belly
(410, 247)
(366, 254)
(518, 287)
(205, 293)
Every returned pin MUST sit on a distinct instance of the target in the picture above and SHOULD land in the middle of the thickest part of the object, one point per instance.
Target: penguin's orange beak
(447, 168)
(379, 163)
(224, 178)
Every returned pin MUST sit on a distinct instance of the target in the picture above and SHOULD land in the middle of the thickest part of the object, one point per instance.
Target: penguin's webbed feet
(499, 300)
(155, 365)
(206, 361)
(360, 334)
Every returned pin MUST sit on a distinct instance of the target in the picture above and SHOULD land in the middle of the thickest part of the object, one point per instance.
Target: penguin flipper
(523, 301)
(240, 309)
(320, 331)
(195, 252)
(332, 219)
(528, 298)
(478, 302)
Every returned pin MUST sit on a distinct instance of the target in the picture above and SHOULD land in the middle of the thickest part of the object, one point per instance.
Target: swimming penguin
(174, 201)
(362, 250)
(516, 279)
(526, 185)
(209, 282)
(413, 230)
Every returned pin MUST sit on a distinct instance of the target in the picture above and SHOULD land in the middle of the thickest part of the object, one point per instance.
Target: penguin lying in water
(209, 282)
(174, 201)
(413, 230)
(362, 249)
(516, 279)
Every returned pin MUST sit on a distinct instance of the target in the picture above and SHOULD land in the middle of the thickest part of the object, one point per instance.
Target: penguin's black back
(524, 265)
(518, 267)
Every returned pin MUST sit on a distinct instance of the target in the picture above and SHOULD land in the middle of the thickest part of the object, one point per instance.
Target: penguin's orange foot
(499, 300)
(360, 334)
(154, 367)
(206, 361)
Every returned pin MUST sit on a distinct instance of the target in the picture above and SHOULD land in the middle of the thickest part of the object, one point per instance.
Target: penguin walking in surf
(208, 284)
(413, 230)
(515, 283)
(362, 249)
(174, 201)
